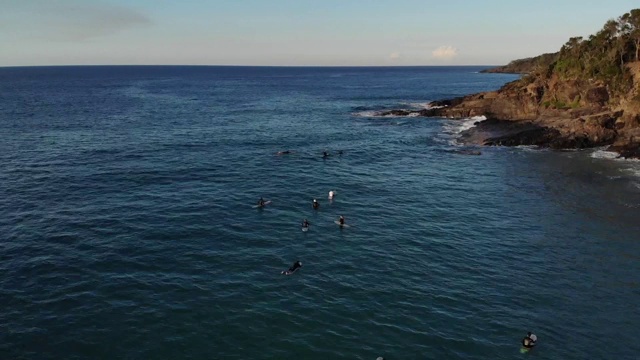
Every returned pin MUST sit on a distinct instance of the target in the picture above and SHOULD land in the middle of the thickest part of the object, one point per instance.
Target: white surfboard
(265, 204)
(341, 225)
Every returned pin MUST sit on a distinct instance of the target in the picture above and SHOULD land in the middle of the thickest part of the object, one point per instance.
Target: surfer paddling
(296, 265)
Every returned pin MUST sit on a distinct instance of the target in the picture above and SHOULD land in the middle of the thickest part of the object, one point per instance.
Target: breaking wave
(457, 126)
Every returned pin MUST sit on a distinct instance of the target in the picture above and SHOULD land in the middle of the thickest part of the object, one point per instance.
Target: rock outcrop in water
(587, 95)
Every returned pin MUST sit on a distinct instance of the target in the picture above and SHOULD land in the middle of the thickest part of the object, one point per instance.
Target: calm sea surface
(127, 229)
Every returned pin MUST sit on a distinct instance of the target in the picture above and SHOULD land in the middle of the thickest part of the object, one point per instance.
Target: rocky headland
(586, 95)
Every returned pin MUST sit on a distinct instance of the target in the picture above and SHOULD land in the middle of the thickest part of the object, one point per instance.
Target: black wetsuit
(316, 205)
(295, 266)
(305, 224)
(341, 221)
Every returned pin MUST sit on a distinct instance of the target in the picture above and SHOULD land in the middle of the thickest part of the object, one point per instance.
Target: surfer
(529, 341)
(331, 194)
(261, 202)
(283, 152)
(305, 223)
(316, 205)
(533, 337)
(296, 265)
(341, 220)
(325, 154)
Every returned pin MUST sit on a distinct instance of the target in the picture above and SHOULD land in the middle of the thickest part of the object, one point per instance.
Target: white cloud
(445, 52)
(394, 56)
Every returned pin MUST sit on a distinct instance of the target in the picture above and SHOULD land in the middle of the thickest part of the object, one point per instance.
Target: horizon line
(265, 66)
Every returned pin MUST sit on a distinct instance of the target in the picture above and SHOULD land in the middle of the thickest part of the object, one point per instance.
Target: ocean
(128, 228)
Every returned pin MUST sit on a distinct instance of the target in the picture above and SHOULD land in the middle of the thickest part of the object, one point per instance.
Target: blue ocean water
(127, 227)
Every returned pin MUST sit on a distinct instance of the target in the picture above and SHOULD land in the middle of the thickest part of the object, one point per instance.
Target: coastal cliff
(524, 66)
(586, 95)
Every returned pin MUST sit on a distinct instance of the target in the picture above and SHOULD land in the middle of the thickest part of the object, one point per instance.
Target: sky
(293, 32)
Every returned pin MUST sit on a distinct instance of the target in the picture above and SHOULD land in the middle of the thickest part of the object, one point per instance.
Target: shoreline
(589, 131)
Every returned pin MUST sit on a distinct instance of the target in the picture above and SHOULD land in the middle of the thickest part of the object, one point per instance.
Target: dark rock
(397, 113)
(629, 151)
(540, 136)
(598, 95)
(493, 129)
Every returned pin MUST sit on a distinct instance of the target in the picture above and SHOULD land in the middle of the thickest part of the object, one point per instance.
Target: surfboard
(265, 204)
(287, 272)
(341, 225)
(305, 229)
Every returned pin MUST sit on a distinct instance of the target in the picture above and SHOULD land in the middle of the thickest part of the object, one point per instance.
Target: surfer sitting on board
(341, 220)
(305, 223)
(296, 265)
(261, 202)
(533, 337)
(529, 341)
(316, 205)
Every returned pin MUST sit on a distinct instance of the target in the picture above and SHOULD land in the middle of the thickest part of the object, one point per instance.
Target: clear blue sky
(293, 32)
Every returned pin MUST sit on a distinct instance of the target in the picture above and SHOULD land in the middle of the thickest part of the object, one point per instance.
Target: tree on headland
(631, 23)
(604, 55)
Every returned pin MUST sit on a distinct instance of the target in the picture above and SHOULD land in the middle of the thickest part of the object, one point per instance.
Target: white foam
(633, 171)
(535, 148)
(367, 113)
(458, 126)
(471, 122)
(421, 105)
(631, 166)
(603, 154)
(378, 114)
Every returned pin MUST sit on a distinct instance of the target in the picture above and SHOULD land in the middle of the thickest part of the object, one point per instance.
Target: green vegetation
(603, 55)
